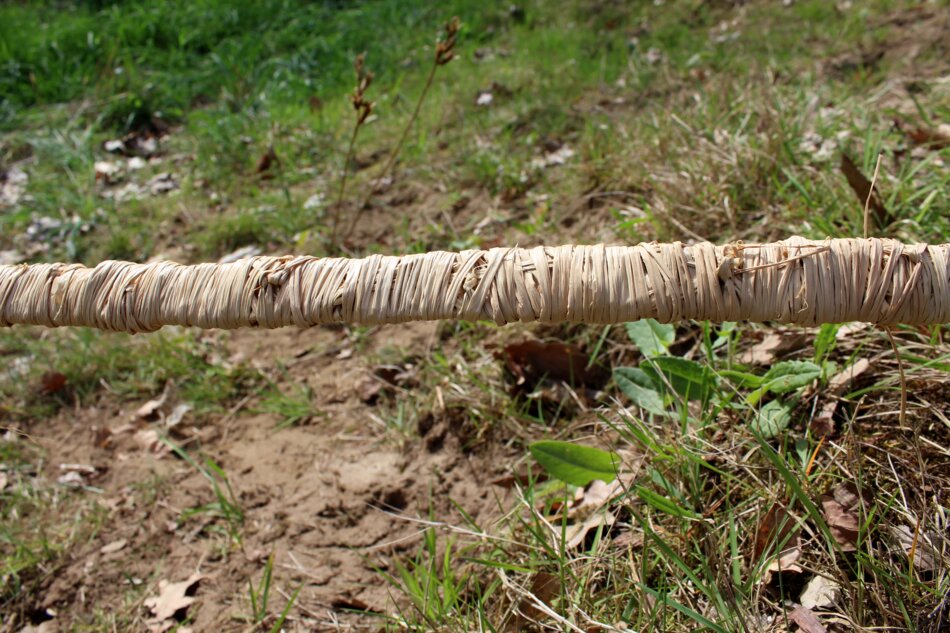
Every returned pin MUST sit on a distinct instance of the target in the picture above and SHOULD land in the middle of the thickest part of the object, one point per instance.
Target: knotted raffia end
(799, 281)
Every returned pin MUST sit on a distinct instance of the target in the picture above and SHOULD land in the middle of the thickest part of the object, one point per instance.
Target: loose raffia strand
(800, 281)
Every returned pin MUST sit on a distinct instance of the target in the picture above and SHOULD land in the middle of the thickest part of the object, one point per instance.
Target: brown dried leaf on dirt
(545, 587)
(806, 620)
(531, 362)
(771, 347)
(576, 534)
(172, 598)
(863, 188)
(840, 508)
(930, 137)
(52, 382)
(820, 592)
(923, 548)
(778, 529)
(149, 441)
(153, 408)
(113, 547)
(823, 423)
(267, 161)
(76, 474)
(351, 604)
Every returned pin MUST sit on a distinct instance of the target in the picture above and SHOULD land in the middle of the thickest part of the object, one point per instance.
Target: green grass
(687, 120)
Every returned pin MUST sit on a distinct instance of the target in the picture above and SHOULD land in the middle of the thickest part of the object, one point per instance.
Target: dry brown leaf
(52, 382)
(840, 508)
(153, 408)
(823, 423)
(863, 189)
(820, 592)
(3, 481)
(545, 587)
(576, 534)
(267, 160)
(351, 604)
(172, 597)
(806, 620)
(844, 378)
(925, 553)
(778, 529)
(629, 539)
(531, 362)
(113, 547)
(771, 347)
(930, 137)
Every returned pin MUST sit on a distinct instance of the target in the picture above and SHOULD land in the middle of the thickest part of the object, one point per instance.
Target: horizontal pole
(796, 280)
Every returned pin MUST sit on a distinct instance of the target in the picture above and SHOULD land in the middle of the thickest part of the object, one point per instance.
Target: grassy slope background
(683, 120)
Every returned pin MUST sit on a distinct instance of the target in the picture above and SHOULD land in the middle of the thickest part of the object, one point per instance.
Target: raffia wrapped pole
(793, 281)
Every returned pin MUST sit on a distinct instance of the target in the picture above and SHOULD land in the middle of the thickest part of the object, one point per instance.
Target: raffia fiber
(794, 281)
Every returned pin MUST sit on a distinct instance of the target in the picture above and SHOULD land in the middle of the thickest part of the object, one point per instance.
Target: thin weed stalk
(444, 53)
(363, 108)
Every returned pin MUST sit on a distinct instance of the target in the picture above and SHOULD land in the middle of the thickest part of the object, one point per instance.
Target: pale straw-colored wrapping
(794, 281)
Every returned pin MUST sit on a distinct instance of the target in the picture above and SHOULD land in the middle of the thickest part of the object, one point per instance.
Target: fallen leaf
(154, 406)
(863, 189)
(113, 547)
(576, 534)
(930, 137)
(72, 478)
(531, 362)
(352, 604)
(925, 551)
(840, 508)
(149, 441)
(820, 592)
(771, 347)
(172, 597)
(3, 481)
(778, 529)
(176, 415)
(545, 587)
(823, 423)
(52, 382)
(267, 160)
(628, 539)
(806, 620)
(76, 474)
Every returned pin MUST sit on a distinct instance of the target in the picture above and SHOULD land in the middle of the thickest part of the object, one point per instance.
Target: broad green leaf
(575, 464)
(651, 337)
(741, 378)
(771, 419)
(825, 340)
(790, 375)
(688, 378)
(640, 388)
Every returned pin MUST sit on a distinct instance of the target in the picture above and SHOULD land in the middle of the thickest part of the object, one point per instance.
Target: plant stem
(395, 153)
(339, 199)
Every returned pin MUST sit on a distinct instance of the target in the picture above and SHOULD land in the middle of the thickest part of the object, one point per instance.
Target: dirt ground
(333, 500)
